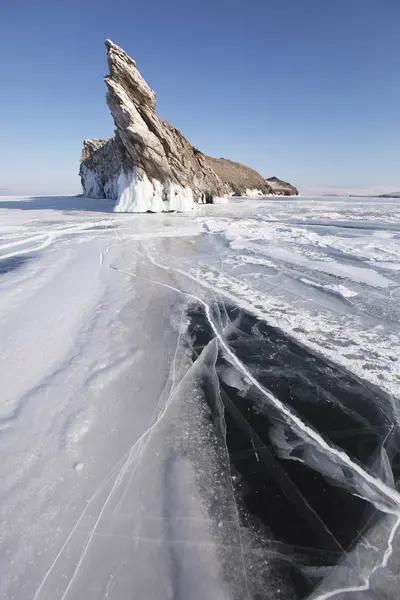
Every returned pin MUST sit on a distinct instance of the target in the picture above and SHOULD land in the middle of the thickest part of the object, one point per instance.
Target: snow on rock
(136, 193)
(100, 168)
(90, 183)
(255, 193)
(94, 187)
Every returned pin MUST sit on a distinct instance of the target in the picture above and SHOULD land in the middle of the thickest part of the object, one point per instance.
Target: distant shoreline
(392, 195)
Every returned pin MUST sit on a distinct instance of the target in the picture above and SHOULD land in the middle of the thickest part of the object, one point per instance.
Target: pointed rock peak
(124, 73)
(116, 51)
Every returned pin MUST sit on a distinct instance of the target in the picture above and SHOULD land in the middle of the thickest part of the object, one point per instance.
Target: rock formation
(149, 164)
(282, 188)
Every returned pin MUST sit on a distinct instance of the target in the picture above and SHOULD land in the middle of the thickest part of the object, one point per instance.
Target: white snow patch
(254, 193)
(338, 290)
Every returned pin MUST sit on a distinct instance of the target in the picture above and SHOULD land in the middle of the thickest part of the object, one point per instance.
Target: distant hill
(392, 195)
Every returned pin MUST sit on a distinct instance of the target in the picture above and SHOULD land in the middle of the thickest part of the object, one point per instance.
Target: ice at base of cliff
(92, 187)
(137, 193)
(254, 193)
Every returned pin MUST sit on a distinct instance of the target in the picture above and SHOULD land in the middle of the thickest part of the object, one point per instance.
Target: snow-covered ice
(303, 252)
(113, 483)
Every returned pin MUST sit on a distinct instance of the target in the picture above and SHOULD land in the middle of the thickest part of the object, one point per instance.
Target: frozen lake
(200, 405)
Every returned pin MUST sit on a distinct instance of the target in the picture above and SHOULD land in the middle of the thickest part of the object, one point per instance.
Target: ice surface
(223, 200)
(287, 260)
(136, 402)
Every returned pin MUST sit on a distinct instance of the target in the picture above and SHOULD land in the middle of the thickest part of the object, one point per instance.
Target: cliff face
(100, 168)
(149, 164)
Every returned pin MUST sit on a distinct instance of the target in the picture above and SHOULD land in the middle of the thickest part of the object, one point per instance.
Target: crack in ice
(63, 547)
(316, 438)
(366, 585)
(376, 483)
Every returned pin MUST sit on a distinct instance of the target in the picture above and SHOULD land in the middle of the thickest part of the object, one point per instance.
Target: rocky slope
(241, 179)
(149, 164)
(282, 188)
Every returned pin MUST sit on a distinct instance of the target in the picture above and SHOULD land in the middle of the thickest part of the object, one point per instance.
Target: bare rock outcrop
(281, 188)
(149, 164)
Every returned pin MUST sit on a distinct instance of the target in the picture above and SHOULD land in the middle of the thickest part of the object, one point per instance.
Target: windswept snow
(324, 271)
(99, 388)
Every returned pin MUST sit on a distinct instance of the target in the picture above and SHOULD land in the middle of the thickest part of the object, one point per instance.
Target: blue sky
(308, 90)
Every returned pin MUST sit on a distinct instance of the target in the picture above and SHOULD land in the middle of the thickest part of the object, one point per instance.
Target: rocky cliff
(149, 164)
